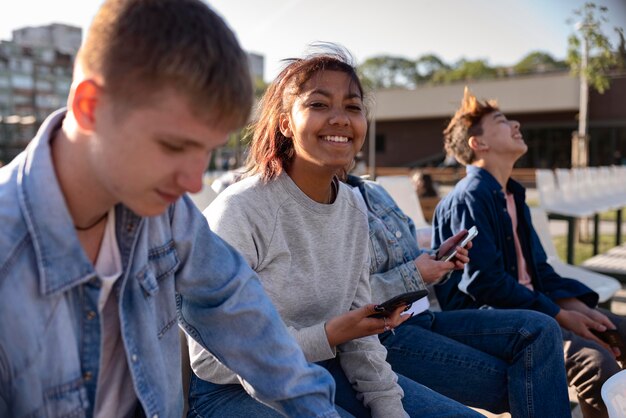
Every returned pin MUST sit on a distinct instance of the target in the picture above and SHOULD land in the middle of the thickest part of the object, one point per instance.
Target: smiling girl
(306, 235)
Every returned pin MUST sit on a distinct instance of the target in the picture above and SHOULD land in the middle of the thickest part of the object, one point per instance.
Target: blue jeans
(208, 399)
(497, 360)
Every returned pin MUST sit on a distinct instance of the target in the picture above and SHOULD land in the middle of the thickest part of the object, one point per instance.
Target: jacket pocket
(68, 400)
(157, 281)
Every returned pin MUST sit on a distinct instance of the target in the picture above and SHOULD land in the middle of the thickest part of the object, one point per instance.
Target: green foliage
(392, 72)
(259, 87)
(387, 71)
(590, 38)
(429, 66)
(466, 70)
(538, 61)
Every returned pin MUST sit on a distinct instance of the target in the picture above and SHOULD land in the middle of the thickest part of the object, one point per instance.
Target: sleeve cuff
(385, 407)
(314, 343)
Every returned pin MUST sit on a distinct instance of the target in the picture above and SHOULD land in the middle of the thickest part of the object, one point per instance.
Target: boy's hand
(580, 324)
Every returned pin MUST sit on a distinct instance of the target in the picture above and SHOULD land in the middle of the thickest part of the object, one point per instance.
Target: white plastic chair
(401, 190)
(605, 286)
(614, 395)
(552, 196)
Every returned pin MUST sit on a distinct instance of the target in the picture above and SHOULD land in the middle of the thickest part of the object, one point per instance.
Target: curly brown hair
(270, 151)
(465, 123)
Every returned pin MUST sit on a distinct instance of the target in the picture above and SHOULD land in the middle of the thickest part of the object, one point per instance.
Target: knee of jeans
(538, 323)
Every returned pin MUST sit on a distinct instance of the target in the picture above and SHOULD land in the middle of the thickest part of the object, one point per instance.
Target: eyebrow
(329, 94)
(497, 115)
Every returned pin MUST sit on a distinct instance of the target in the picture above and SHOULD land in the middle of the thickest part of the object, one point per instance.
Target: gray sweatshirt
(313, 261)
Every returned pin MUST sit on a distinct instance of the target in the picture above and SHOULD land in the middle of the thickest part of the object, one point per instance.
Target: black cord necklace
(85, 228)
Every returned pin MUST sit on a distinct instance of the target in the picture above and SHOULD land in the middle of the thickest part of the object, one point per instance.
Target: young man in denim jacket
(508, 266)
(101, 254)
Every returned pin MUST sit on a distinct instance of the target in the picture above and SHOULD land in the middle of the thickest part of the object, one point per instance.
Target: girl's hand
(357, 323)
(432, 270)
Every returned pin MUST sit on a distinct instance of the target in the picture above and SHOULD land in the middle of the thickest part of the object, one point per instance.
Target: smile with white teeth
(333, 138)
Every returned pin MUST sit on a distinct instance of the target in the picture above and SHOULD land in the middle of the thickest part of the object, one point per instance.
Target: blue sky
(500, 31)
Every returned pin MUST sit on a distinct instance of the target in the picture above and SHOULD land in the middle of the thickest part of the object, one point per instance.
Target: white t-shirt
(115, 394)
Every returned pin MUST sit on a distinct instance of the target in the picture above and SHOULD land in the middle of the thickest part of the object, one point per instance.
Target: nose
(339, 117)
(515, 124)
(189, 177)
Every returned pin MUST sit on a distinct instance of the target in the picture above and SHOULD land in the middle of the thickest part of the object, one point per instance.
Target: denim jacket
(393, 243)
(175, 271)
(490, 278)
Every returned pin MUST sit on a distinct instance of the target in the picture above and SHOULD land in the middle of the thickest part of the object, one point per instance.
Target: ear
(476, 144)
(83, 103)
(284, 124)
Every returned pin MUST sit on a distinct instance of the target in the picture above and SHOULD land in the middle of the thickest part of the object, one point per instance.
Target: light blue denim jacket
(176, 271)
(393, 243)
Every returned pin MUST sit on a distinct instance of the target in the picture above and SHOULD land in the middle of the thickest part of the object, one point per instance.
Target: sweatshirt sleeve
(365, 365)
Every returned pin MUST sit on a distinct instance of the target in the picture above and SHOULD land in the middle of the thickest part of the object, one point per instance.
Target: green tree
(589, 52)
(589, 56)
(428, 65)
(538, 62)
(465, 70)
(259, 87)
(387, 71)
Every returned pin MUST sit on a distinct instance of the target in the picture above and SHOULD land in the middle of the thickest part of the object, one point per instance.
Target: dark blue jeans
(497, 360)
(208, 399)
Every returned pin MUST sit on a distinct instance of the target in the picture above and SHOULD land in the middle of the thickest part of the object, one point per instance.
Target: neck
(86, 202)
(500, 170)
(316, 183)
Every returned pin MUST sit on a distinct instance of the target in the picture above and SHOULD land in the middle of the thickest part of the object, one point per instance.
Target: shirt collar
(60, 258)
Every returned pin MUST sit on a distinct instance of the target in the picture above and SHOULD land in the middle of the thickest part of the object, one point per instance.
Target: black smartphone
(471, 234)
(386, 308)
(611, 337)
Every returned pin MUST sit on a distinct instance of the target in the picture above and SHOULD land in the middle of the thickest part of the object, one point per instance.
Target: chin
(149, 210)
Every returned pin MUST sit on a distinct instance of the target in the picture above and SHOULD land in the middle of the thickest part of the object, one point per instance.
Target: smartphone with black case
(386, 308)
(611, 337)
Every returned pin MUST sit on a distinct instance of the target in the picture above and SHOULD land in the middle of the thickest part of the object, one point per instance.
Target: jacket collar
(490, 181)
(60, 258)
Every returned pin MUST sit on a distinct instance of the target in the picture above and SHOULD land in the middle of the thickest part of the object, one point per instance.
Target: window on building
(22, 81)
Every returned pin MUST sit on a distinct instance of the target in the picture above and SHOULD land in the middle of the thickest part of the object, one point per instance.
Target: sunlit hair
(141, 48)
(270, 151)
(465, 123)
